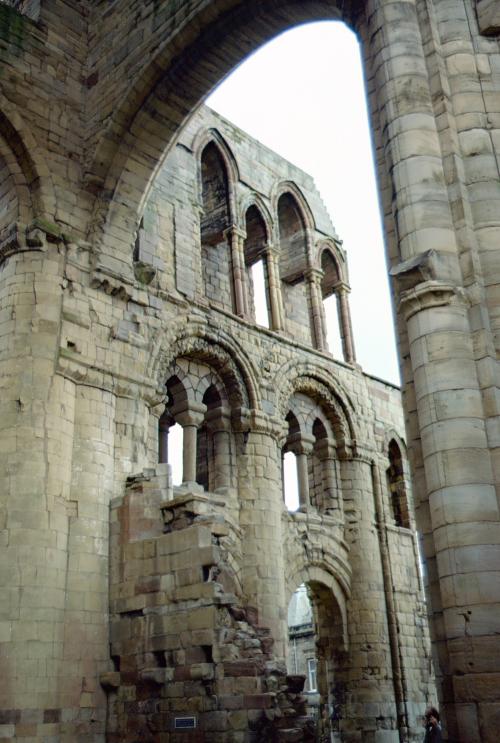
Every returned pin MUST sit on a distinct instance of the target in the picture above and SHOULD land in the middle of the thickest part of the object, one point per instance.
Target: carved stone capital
(428, 294)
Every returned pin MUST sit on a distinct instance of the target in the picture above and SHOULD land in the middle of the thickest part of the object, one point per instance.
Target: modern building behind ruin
(110, 290)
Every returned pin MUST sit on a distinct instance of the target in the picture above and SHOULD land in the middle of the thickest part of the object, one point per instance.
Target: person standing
(432, 726)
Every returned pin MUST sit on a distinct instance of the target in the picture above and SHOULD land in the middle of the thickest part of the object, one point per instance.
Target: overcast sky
(302, 95)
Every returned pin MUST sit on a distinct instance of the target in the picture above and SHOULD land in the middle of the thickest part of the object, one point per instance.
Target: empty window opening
(397, 487)
(215, 220)
(312, 680)
(293, 242)
(333, 337)
(256, 267)
(290, 481)
(175, 448)
(259, 294)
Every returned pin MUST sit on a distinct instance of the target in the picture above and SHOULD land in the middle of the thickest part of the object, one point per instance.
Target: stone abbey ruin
(131, 223)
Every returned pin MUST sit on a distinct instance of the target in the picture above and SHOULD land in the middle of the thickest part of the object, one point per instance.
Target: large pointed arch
(194, 58)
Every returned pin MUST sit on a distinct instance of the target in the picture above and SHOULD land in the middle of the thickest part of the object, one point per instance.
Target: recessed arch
(313, 381)
(213, 138)
(222, 353)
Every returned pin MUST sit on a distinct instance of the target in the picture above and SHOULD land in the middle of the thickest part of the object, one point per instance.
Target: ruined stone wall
(93, 95)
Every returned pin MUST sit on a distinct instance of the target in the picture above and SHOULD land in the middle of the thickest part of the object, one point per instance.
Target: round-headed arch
(326, 589)
(218, 352)
(328, 393)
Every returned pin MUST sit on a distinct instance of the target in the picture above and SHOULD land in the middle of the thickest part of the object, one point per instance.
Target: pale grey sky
(302, 95)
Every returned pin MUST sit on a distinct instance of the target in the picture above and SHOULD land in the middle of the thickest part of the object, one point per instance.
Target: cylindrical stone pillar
(219, 424)
(190, 418)
(274, 288)
(261, 511)
(314, 276)
(236, 240)
(346, 333)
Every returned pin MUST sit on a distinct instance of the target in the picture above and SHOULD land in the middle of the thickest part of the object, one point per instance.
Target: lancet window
(397, 486)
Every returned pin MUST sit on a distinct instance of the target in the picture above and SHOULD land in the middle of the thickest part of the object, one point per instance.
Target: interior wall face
(95, 100)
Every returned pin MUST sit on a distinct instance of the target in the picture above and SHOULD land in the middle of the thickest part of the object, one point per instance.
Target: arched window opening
(215, 196)
(257, 268)
(332, 327)
(397, 487)
(329, 284)
(174, 452)
(258, 293)
(170, 433)
(293, 242)
(296, 485)
(293, 265)
(290, 481)
(215, 220)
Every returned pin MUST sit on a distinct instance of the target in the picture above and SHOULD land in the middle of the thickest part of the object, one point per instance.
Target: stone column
(219, 424)
(274, 288)
(366, 676)
(332, 497)
(164, 423)
(344, 313)
(314, 276)
(190, 419)
(86, 640)
(463, 505)
(236, 240)
(36, 433)
(261, 512)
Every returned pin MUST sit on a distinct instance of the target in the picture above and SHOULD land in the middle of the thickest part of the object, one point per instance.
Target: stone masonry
(130, 226)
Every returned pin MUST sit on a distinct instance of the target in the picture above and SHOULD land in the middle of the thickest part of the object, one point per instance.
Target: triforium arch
(311, 380)
(222, 354)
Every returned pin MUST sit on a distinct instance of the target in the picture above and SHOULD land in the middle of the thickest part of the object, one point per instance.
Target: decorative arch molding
(312, 381)
(289, 187)
(222, 354)
(198, 53)
(337, 255)
(213, 136)
(391, 435)
(256, 200)
(324, 575)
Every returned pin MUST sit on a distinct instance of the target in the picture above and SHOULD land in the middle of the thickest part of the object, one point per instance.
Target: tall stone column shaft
(313, 277)
(366, 677)
(236, 240)
(463, 506)
(36, 434)
(261, 509)
(86, 643)
(346, 333)
(274, 288)
(190, 419)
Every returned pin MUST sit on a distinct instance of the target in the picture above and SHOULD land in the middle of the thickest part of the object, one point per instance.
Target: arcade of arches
(134, 227)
